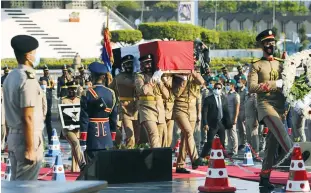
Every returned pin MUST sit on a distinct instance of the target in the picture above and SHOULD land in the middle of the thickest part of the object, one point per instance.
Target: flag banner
(69, 115)
(107, 54)
(167, 55)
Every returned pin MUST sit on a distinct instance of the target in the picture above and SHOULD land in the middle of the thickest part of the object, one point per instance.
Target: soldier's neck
(267, 56)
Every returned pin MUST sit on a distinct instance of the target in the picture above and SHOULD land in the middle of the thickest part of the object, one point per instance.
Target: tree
(126, 36)
(125, 6)
(165, 6)
(303, 37)
(222, 6)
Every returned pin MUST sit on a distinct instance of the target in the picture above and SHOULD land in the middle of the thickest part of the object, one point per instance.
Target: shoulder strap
(94, 94)
(255, 60)
(30, 75)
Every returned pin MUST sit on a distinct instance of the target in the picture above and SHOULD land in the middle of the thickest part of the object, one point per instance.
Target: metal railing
(115, 14)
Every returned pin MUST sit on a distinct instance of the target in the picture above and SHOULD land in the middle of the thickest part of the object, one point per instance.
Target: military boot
(264, 182)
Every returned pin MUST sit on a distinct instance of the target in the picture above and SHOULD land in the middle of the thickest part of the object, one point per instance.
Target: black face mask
(128, 70)
(269, 49)
(72, 92)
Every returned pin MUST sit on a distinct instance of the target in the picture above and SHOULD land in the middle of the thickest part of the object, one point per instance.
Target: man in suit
(217, 121)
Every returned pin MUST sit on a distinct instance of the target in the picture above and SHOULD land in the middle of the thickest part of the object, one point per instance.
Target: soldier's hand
(279, 83)
(30, 156)
(206, 128)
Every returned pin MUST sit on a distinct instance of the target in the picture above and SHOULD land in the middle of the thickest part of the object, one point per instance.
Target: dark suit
(211, 118)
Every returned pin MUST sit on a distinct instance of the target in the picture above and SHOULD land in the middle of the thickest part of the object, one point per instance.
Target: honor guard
(98, 116)
(24, 114)
(72, 134)
(265, 80)
(62, 81)
(151, 91)
(6, 72)
(124, 86)
(49, 95)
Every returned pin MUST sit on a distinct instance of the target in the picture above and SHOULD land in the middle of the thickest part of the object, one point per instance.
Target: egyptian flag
(107, 54)
(167, 55)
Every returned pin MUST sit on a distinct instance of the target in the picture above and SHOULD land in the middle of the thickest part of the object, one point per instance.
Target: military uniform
(61, 83)
(3, 124)
(264, 79)
(124, 86)
(251, 122)
(22, 90)
(185, 115)
(49, 99)
(82, 80)
(242, 91)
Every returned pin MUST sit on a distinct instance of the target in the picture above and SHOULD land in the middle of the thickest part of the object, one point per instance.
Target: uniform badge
(270, 32)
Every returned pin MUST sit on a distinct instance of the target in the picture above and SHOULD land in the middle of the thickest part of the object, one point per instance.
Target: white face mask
(37, 60)
(217, 91)
(43, 87)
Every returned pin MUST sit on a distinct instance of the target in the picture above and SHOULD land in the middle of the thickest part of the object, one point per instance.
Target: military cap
(239, 66)
(81, 67)
(45, 67)
(70, 70)
(64, 67)
(98, 68)
(231, 81)
(214, 78)
(145, 58)
(24, 44)
(72, 84)
(265, 35)
(127, 58)
(224, 67)
(243, 77)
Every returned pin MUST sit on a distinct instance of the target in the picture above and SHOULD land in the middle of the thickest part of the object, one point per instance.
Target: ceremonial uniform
(49, 100)
(62, 81)
(185, 89)
(21, 90)
(151, 108)
(124, 86)
(72, 135)
(264, 79)
(251, 121)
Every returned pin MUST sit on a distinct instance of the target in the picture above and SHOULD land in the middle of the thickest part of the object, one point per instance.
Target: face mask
(269, 49)
(72, 93)
(228, 88)
(217, 91)
(210, 85)
(239, 85)
(86, 87)
(43, 87)
(37, 60)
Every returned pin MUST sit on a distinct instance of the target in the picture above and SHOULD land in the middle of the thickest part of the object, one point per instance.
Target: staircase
(24, 21)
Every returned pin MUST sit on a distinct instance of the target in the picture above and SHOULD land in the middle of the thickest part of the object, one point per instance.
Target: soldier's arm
(44, 105)
(254, 86)
(198, 79)
(179, 85)
(113, 117)
(164, 91)
(237, 108)
(84, 120)
(142, 88)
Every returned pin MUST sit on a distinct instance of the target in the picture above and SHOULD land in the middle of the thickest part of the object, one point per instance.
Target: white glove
(71, 127)
(83, 148)
(157, 74)
(279, 83)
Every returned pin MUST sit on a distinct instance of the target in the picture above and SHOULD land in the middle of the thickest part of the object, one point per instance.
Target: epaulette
(30, 75)
(255, 60)
(279, 59)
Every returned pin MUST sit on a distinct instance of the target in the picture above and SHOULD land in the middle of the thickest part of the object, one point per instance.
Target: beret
(72, 84)
(98, 68)
(243, 77)
(214, 78)
(145, 58)
(127, 58)
(24, 43)
(266, 34)
(224, 67)
(231, 81)
(45, 67)
(70, 70)
(64, 67)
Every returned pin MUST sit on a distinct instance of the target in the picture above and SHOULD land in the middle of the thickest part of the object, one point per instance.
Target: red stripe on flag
(108, 44)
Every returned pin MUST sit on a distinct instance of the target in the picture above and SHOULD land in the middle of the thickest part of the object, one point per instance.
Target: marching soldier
(6, 72)
(49, 95)
(98, 115)
(124, 86)
(24, 111)
(185, 115)
(72, 134)
(151, 91)
(242, 91)
(61, 83)
(251, 122)
(264, 79)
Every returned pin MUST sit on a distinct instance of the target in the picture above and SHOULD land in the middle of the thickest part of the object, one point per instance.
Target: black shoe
(197, 163)
(182, 171)
(305, 155)
(264, 182)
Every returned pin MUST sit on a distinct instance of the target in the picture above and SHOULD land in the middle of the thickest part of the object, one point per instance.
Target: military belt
(99, 120)
(126, 98)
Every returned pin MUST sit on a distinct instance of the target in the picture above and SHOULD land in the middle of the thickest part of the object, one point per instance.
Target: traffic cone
(54, 146)
(58, 170)
(297, 178)
(176, 153)
(217, 175)
(248, 158)
(7, 175)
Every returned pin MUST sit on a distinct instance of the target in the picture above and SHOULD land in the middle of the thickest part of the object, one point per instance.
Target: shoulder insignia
(255, 60)
(279, 59)
(30, 75)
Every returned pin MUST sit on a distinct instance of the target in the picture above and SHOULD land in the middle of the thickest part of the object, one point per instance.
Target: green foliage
(140, 146)
(230, 62)
(276, 30)
(303, 37)
(124, 6)
(166, 6)
(209, 36)
(222, 6)
(300, 88)
(291, 7)
(126, 36)
(236, 40)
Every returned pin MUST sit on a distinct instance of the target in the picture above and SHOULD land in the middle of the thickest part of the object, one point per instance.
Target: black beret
(45, 67)
(266, 34)
(127, 58)
(24, 44)
(145, 58)
(72, 84)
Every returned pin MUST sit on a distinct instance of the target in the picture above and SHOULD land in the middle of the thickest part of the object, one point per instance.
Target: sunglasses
(218, 88)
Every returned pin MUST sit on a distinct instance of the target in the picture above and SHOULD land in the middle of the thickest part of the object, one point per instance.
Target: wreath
(297, 87)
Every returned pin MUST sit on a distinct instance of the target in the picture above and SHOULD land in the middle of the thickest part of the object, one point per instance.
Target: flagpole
(107, 25)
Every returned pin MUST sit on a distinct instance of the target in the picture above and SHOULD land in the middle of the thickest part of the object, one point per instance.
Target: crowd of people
(150, 106)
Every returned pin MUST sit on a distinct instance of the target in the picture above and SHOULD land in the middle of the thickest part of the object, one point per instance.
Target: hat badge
(270, 32)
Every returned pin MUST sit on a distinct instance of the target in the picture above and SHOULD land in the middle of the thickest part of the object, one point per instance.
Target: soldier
(185, 115)
(151, 91)
(61, 83)
(49, 96)
(124, 86)
(264, 79)
(6, 72)
(251, 122)
(23, 111)
(234, 107)
(207, 75)
(242, 91)
(72, 134)
(76, 61)
(240, 73)
(225, 72)
(98, 115)
(82, 79)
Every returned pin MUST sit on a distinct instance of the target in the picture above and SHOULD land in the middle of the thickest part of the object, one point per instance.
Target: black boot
(198, 162)
(265, 183)
(182, 171)
(305, 155)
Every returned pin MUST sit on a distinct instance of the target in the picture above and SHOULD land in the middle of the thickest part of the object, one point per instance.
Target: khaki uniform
(233, 100)
(124, 86)
(241, 118)
(72, 136)
(20, 91)
(151, 108)
(168, 105)
(185, 115)
(270, 106)
(251, 122)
